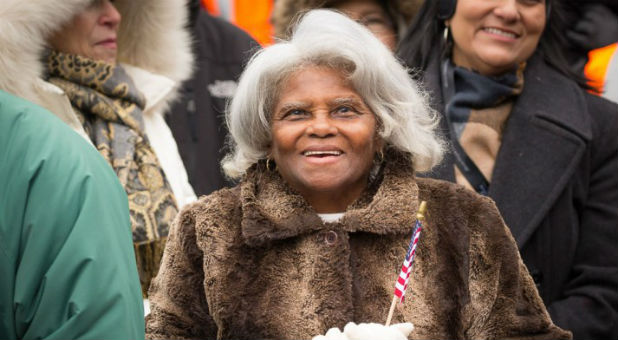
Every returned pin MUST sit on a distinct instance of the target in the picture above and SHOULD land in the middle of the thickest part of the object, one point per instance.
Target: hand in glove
(332, 334)
(597, 27)
(368, 331)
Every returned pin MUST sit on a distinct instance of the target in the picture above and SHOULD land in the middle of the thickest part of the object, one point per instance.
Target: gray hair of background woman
(327, 38)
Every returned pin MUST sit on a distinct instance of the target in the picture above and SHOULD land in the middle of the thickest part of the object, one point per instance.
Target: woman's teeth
(500, 32)
(322, 153)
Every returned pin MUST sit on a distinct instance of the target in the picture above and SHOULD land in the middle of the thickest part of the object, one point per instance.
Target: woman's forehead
(315, 79)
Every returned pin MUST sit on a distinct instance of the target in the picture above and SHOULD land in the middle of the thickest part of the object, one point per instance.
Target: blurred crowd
(238, 169)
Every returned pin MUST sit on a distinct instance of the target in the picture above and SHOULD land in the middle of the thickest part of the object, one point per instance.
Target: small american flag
(406, 269)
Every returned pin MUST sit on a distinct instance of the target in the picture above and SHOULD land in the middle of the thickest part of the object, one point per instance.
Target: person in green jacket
(67, 268)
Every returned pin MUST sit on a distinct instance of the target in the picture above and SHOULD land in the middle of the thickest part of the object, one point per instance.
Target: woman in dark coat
(524, 132)
(326, 145)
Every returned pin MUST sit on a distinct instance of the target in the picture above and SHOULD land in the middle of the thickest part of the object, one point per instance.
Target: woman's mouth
(500, 32)
(108, 43)
(322, 157)
(322, 153)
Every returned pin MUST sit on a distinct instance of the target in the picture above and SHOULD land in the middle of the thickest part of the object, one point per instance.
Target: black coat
(197, 120)
(555, 182)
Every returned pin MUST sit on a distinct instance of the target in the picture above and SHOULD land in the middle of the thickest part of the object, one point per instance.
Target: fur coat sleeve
(169, 317)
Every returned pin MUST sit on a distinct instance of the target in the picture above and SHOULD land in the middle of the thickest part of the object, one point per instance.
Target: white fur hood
(152, 36)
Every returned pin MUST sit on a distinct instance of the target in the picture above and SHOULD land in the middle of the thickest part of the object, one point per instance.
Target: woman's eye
(345, 110)
(533, 2)
(375, 23)
(96, 3)
(295, 114)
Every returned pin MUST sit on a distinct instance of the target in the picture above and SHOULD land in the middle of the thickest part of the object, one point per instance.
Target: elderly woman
(525, 134)
(386, 19)
(328, 131)
(108, 70)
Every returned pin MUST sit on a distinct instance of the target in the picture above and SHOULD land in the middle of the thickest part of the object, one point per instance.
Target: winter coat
(555, 183)
(153, 45)
(256, 262)
(197, 118)
(67, 269)
(285, 12)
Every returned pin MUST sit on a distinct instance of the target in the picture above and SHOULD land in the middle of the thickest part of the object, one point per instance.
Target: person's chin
(107, 55)
(497, 63)
(321, 181)
(325, 187)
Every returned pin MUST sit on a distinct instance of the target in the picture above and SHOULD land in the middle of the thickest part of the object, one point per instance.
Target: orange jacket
(251, 15)
(596, 70)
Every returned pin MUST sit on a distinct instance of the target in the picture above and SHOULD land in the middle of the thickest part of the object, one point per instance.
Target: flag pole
(420, 216)
(390, 311)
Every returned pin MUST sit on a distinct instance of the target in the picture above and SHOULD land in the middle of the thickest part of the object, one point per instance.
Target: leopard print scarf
(110, 108)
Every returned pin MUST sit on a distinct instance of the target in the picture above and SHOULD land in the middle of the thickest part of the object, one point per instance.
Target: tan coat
(256, 261)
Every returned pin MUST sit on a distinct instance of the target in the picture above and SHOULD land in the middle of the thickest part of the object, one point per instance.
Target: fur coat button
(330, 238)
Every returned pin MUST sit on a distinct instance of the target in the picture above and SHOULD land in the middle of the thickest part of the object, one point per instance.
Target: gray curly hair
(327, 38)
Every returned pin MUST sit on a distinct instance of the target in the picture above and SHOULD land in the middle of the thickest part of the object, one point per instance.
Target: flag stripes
(406, 269)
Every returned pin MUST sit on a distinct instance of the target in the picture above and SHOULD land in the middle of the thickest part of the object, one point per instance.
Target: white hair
(326, 38)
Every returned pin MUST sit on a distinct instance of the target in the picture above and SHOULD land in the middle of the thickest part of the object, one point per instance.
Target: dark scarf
(481, 105)
(110, 108)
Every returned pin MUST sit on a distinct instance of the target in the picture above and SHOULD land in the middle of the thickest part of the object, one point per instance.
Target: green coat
(67, 268)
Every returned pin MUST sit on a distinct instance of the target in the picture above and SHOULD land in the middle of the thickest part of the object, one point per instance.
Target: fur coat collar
(152, 36)
(272, 211)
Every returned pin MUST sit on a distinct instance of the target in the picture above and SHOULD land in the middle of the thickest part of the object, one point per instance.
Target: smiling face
(323, 138)
(91, 33)
(494, 36)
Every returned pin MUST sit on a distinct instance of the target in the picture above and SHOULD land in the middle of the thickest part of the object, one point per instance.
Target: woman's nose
(507, 10)
(321, 126)
(110, 15)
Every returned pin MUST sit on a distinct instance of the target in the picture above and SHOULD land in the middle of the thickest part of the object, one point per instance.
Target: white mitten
(371, 331)
(332, 334)
(368, 331)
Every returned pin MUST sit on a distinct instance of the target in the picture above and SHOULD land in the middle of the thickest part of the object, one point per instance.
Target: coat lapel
(544, 140)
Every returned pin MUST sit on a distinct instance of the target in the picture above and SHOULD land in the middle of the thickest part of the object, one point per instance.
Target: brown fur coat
(257, 262)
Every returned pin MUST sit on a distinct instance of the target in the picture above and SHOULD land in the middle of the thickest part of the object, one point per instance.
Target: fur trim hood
(286, 12)
(152, 36)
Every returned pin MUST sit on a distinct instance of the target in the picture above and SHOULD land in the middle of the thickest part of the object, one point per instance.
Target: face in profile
(323, 138)
(370, 14)
(494, 36)
(91, 33)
